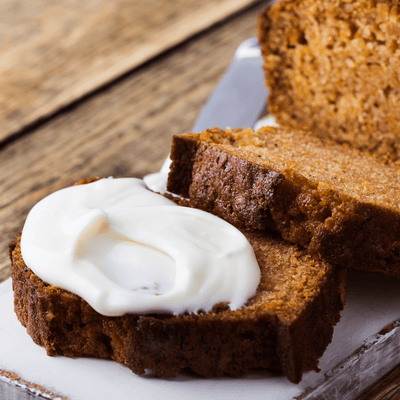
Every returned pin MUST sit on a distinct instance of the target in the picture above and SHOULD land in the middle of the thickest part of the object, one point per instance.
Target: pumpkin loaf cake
(333, 67)
(341, 205)
(286, 326)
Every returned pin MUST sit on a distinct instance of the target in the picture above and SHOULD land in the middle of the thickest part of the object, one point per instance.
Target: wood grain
(125, 130)
(387, 389)
(54, 52)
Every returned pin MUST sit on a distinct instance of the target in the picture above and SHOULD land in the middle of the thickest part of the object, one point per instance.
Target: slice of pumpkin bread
(342, 206)
(333, 67)
(286, 326)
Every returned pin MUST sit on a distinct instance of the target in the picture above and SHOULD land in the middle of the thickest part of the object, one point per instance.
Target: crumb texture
(333, 67)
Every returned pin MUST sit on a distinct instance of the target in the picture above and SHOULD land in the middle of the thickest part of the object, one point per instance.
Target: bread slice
(340, 205)
(332, 67)
(286, 326)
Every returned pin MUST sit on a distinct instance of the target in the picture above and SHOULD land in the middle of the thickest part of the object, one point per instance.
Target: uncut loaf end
(333, 67)
(341, 205)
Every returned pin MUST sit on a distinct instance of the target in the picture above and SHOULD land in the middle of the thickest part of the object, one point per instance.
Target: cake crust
(286, 326)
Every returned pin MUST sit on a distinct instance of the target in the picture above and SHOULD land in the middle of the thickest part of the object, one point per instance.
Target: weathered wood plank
(387, 389)
(124, 130)
(54, 52)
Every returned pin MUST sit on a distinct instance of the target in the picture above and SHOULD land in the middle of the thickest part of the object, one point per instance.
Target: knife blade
(237, 101)
(240, 97)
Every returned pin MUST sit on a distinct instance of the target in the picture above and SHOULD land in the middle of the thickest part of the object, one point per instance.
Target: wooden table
(98, 88)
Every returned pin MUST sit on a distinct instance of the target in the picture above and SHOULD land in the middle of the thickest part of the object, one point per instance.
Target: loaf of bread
(286, 326)
(333, 67)
(341, 205)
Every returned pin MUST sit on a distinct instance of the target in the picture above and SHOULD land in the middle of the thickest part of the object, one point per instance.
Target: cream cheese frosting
(125, 249)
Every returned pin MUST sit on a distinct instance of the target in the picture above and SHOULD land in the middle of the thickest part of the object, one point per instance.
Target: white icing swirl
(125, 249)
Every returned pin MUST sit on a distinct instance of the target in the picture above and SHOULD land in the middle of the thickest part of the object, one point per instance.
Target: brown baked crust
(332, 67)
(286, 326)
(341, 205)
